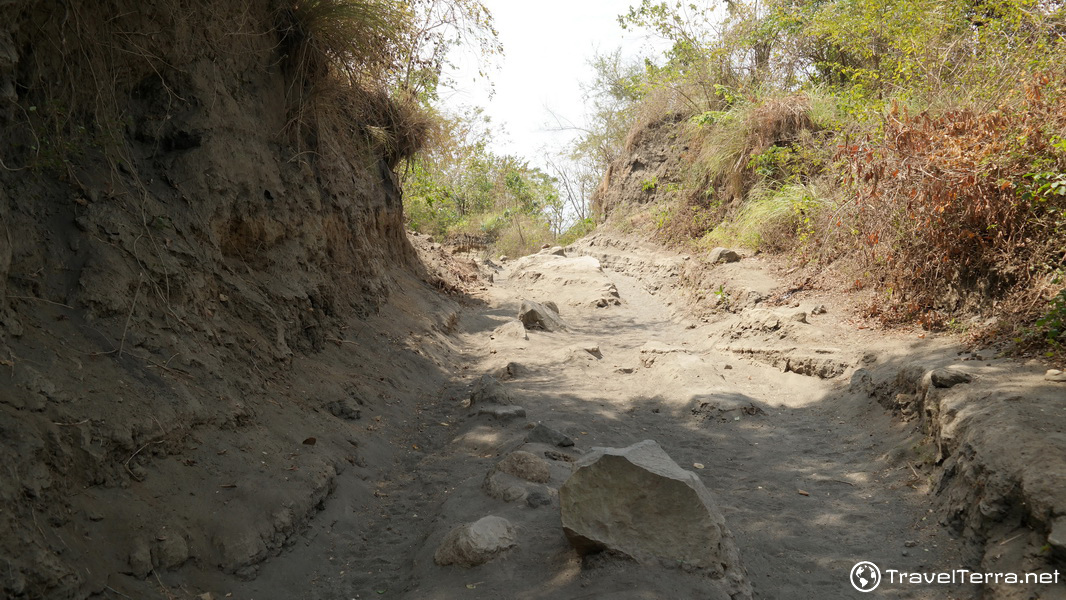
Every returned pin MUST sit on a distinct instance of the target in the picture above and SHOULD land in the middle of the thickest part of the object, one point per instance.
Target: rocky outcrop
(999, 470)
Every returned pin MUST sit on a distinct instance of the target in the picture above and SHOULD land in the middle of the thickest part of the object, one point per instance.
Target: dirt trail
(811, 473)
(796, 461)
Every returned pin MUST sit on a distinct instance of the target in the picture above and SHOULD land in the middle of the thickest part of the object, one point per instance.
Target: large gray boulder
(535, 315)
(637, 501)
(476, 543)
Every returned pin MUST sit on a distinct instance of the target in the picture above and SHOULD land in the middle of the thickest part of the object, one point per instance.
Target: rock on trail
(638, 502)
(534, 315)
(476, 543)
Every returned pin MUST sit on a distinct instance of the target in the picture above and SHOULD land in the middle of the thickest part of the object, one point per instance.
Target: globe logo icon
(865, 576)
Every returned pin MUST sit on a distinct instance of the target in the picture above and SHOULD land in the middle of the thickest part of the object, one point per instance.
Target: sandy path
(806, 434)
(800, 467)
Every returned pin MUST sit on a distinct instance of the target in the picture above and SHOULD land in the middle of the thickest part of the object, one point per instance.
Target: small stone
(819, 310)
(947, 378)
(592, 349)
(723, 255)
(140, 560)
(910, 543)
(504, 487)
(542, 434)
(799, 317)
(557, 251)
(525, 465)
(1055, 375)
(345, 408)
(504, 258)
(489, 390)
(509, 371)
(170, 552)
(476, 543)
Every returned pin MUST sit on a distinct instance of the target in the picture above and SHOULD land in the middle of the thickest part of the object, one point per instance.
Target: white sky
(547, 47)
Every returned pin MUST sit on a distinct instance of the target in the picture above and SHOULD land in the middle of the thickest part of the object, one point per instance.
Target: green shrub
(1053, 322)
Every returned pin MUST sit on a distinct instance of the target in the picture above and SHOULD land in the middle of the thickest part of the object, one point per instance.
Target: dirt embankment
(194, 335)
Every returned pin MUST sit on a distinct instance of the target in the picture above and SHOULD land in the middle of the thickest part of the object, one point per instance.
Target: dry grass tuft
(351, 38)
(340, 55)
